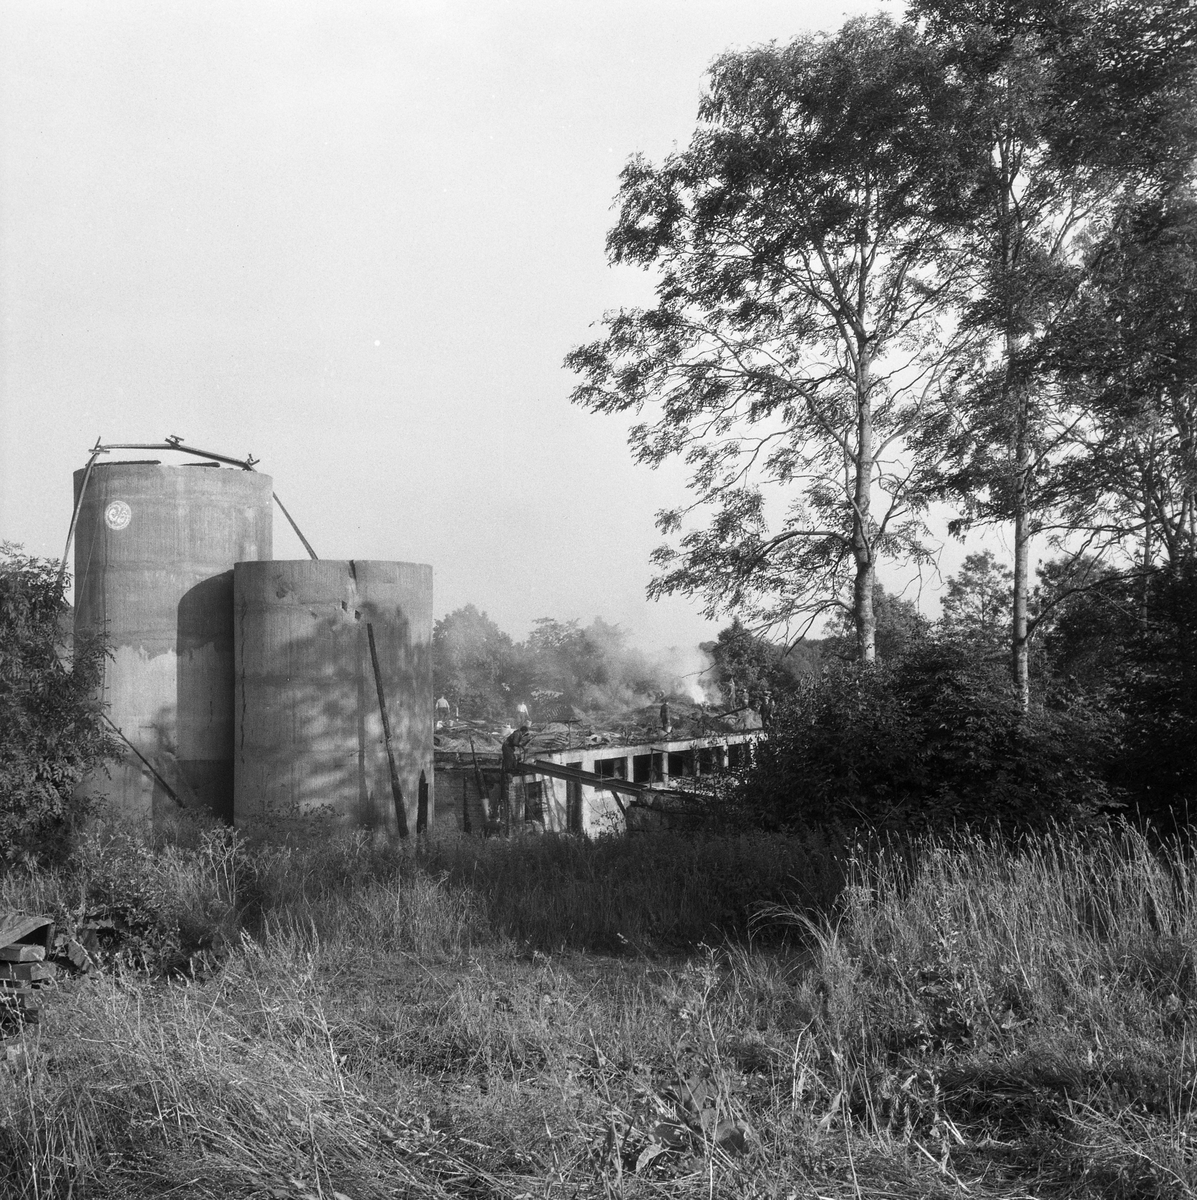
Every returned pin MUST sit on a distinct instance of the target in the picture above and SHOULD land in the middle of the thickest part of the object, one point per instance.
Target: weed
(351, 1018)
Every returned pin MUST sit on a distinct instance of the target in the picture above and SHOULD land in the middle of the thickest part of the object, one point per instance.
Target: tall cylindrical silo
(309, 732)
(154, 552)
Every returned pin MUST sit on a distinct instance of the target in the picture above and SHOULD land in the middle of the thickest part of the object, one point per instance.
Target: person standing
(513, 755)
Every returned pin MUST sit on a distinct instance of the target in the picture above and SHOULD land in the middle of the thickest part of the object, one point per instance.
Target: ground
(386, 1031)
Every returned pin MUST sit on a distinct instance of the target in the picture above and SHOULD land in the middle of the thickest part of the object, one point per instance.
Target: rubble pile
(638, 726)
(26, 944)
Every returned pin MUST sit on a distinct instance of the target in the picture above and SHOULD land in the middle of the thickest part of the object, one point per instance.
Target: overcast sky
(356, 240)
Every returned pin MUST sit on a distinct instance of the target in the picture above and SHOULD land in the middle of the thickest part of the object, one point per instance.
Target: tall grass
(1046, 993)
(655, 892)
(947, 1018)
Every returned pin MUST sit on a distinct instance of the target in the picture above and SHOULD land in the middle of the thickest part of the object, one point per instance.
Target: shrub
(935, 740)
(51, 729)
(1155, 690)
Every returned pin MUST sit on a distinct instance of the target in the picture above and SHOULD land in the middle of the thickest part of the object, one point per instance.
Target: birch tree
(1129, 360)
(797, 246)
(1068, 108)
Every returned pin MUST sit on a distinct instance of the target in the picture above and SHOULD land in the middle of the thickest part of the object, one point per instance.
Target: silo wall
(309, 733)
(154, 552)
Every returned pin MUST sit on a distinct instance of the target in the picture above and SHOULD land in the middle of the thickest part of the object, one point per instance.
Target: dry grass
(965, 1021)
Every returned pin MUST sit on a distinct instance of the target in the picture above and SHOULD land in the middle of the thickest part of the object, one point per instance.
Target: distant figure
(513, 755)
(521, 712)
(442, 712)
(665, 725)
(767, 708)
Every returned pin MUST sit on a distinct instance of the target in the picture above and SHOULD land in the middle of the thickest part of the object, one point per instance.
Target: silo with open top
(155, 546)
(310, 745)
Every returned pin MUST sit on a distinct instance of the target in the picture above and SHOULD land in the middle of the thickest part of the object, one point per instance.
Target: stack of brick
(26, 943)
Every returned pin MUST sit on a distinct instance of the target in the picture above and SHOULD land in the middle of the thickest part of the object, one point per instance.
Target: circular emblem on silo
(117, 515)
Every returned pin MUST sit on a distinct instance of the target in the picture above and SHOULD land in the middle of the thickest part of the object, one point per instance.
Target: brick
(22, 952)
(10, 971)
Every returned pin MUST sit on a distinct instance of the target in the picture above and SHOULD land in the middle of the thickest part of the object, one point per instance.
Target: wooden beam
(589, 778)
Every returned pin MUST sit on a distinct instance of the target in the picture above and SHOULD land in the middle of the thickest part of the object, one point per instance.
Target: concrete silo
(309, 732)
(154, 552)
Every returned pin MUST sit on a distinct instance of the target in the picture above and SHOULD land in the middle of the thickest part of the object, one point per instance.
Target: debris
(76, 954)
(20, 972)
(22, 952)
(26, 929)
(25, 941)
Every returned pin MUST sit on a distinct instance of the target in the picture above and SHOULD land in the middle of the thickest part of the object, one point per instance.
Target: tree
(52, 730)
(1050, 90)
(976, 605)
(750, 667)
(1155, 692)
(1085, 621)
(472, 662)
(592, 667)
(899, 626)
(563, 658)
(1129, 358)
(795, 334)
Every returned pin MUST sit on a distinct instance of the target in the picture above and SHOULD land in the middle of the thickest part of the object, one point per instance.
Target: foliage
(936, 740)
(1087, 616)
(749, 667)
(796, 332)
(976, 605)
(1127, 645)
(1129, 360)
(1048, 93)
(1155, 692)
(51, 728)
(579, 665)
(899, 625)
(472, 662)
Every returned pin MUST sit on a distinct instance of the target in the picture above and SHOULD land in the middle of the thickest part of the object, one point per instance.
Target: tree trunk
(862, 602)
(1147, 546)
(1020, 642)
(1018, 398)
(862, 539)
(1020, 637)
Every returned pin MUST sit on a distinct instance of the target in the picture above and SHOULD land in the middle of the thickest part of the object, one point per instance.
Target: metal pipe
(483, 794)
(97, 450)
(306, 544)
(176, 443)
(396, 789)
(121, 734)
(422, 805)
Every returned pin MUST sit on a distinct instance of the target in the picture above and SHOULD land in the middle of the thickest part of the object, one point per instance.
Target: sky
(355, 239)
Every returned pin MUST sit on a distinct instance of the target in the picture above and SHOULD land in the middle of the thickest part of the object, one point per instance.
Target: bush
(933, 741)
(1155, 690)
(51, 729)
(1130, 644)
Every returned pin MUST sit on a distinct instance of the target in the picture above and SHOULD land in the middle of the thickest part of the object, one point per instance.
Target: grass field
(754, 1017)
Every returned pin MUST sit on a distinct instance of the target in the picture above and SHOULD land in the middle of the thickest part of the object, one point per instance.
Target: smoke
(598, 670)
(689, 670)
(594, 669)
